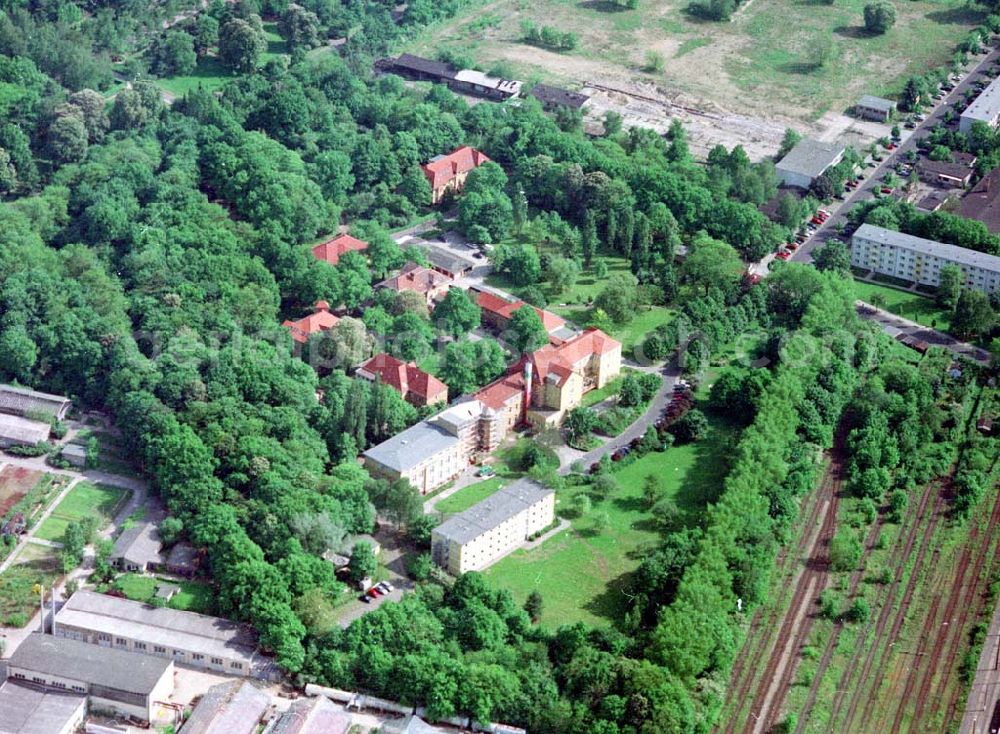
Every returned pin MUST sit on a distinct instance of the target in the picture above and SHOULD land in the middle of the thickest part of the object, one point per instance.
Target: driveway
(895, 325)
(671, 372)
(873, 176)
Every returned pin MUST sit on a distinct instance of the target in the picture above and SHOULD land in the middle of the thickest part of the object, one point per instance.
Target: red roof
(505, 309)
(562, 360)
(416, 278)
(404, 377)
(332, 250)
(320, 320)
(443, 169)
(498, 393)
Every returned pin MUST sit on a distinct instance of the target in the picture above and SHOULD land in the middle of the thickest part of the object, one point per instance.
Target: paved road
(894, 325)
(873, 176)
(671, 372)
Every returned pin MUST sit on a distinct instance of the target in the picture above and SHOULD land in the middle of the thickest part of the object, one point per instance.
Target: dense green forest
(149, 252)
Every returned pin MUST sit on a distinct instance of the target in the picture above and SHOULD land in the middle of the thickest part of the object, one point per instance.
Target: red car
(885, 190)
(792, 246)
(374, 593)
(784, 255)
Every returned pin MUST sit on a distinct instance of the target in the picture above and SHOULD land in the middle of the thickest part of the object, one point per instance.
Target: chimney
(53, 611)
(528, 368)
(321, 306)
(41, 607)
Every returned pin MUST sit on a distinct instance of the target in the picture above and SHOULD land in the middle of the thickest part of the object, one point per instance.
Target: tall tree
(526, 332)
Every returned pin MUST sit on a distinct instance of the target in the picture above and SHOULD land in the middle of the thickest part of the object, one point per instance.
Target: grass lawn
(83, 500)
(582, 571)
(759, 64)
(193, 597)
(596, 396)
(466, 497)
(908, 304)
(210, 75)
(35, 565)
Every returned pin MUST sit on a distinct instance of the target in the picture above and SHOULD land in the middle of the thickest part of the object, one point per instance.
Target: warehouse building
(196, 640)
(26, 709)
(985, 108)
(807, 161)
(32, 404)
(489, 530)
(113, 680)
(18, 431)
(913, 258)
(312, 716)
(235, 707)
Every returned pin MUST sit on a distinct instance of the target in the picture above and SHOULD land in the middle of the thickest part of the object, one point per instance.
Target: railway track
(902, 552)
(961, 604)
(870, 671)
(794, 631)
(759, 638)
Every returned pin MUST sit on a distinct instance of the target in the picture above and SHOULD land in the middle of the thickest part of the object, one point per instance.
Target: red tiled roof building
(319, 320)
(332, 250)
(429, 283)
(416, 386)
(448, 172)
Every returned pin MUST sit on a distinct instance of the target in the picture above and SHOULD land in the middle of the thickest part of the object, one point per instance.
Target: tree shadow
(601, 6)
(611, 604)
(855, 32)
(960, 15)
(630, 504)
(798, 67)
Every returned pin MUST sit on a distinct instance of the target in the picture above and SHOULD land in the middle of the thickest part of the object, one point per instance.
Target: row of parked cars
(380, 589)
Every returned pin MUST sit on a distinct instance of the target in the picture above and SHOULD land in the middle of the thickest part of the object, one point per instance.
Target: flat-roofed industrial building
(116, 681)
(195, 640)
(31, 709)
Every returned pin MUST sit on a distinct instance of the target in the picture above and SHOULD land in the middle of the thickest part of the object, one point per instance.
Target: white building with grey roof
(492, 528)
(807, 161)
(874, 108)
(26, 709)
(113, 680)
(916, 259)
(195, 640)
(984, 108)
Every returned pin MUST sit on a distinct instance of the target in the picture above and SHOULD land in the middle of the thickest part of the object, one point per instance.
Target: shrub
(845, 551)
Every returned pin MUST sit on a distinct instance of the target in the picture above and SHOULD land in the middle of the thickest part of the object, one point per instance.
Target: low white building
(186, 638)
(115, 681)
(984, 108)
(807, 161)
(27, 709)
(904, 256)
(492, 528)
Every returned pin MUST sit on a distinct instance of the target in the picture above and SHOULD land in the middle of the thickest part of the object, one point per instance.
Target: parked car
(784, 255)
(886, 190)
(374, 593)
(365, 599)
(792, 246)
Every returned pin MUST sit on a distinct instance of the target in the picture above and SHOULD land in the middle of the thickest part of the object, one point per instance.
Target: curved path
(670, 372)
